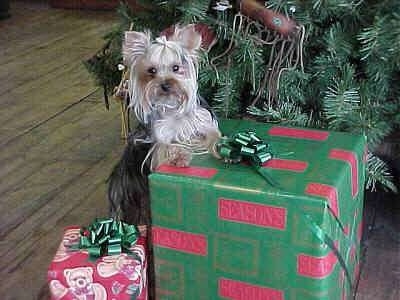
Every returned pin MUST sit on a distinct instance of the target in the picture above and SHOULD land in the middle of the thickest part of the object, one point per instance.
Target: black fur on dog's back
(128, 190)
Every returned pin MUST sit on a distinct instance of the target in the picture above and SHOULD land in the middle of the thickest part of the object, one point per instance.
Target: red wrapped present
(76, 274)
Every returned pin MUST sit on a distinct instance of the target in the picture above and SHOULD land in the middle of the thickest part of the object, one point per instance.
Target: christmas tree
(331, 64)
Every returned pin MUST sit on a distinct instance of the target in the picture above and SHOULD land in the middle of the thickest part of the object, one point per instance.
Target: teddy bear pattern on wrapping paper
(79, 280)
(80, 285)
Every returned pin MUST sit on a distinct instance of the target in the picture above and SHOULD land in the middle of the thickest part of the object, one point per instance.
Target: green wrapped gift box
(221, 231)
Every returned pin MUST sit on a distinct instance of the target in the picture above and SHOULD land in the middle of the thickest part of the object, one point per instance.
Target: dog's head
(163, 72)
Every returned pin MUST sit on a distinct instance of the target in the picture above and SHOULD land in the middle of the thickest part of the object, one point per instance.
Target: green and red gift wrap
(222, 231)
(78, 274)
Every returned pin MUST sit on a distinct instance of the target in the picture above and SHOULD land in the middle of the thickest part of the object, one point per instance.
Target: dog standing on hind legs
(174, 121)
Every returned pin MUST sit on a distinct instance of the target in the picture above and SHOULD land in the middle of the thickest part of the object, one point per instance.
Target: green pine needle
(378, 172)
(286, 113)
(341, 100)
(351, 61)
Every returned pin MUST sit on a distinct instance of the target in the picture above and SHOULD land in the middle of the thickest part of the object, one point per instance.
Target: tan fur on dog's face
(163, 94)
(163, 81)
(163, 75)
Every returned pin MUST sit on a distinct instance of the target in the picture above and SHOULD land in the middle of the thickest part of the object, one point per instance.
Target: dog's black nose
(165, 86)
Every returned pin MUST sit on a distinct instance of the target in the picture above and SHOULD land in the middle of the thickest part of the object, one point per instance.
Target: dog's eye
(152, 70)
(175, 68)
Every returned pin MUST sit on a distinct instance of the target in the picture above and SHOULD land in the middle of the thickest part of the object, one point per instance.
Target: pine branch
(194, 11)
(341, 100)
(351, 65)
(293, 86)
(382, 39)
(323, 69)
(225, 99)
(375, 118)
(286, 113)
(248, 56)
(378, 172)
(333, 9)
(337, 43)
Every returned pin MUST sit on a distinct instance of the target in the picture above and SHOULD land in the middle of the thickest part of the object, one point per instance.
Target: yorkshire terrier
(173, 120)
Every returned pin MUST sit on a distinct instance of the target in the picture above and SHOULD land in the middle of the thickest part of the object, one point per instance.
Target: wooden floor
(58, 144)
(57, 141)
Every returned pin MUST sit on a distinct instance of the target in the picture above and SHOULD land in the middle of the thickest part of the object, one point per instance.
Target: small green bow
(246, 146)
(107, 236)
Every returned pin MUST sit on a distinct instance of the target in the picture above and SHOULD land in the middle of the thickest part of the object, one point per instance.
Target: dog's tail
(128, 190)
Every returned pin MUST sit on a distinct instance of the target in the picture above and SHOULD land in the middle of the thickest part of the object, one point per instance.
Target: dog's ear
(188, 37)
(134, 45)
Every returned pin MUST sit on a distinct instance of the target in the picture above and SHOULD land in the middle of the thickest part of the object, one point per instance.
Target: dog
(174, 122)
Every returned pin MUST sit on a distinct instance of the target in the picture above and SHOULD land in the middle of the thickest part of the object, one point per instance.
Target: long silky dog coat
(173, 122)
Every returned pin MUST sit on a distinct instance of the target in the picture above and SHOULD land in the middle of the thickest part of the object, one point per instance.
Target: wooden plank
(75, 194)
(23, 117)
(73, 142)
(24, 39)
(57, 146)
(37, 71)
(67, 137)
(70, 46)
(45, 75)
(380, 272)
(47, 139)
(26, 43)
(35, 243)
(47, 98)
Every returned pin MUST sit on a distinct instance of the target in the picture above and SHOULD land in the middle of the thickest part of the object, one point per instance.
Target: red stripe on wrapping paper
(316, 267)
(180, 240)
(346, 230)
(351, 158)
(307, 134)
(326, 191)
(360, 231)
(353, 253)
(344, 294)
(238, 290)
(286, 164)
(356, 273)
(71, 227)
(252, 213)
(191, 171)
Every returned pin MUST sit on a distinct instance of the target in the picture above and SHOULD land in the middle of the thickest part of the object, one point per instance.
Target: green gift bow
(107, 236)
(246, 146)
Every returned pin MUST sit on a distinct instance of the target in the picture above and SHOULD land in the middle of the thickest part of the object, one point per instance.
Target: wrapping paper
(221, 231)
(74, 274)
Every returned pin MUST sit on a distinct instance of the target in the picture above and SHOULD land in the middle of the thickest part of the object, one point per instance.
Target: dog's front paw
(211, 139)
(178, 156)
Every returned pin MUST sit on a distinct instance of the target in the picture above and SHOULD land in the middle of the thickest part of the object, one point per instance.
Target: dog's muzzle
(165, 87)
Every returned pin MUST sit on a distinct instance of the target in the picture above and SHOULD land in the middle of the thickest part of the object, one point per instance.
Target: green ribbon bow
(107, 236)
(247, 146)
(244, 146)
